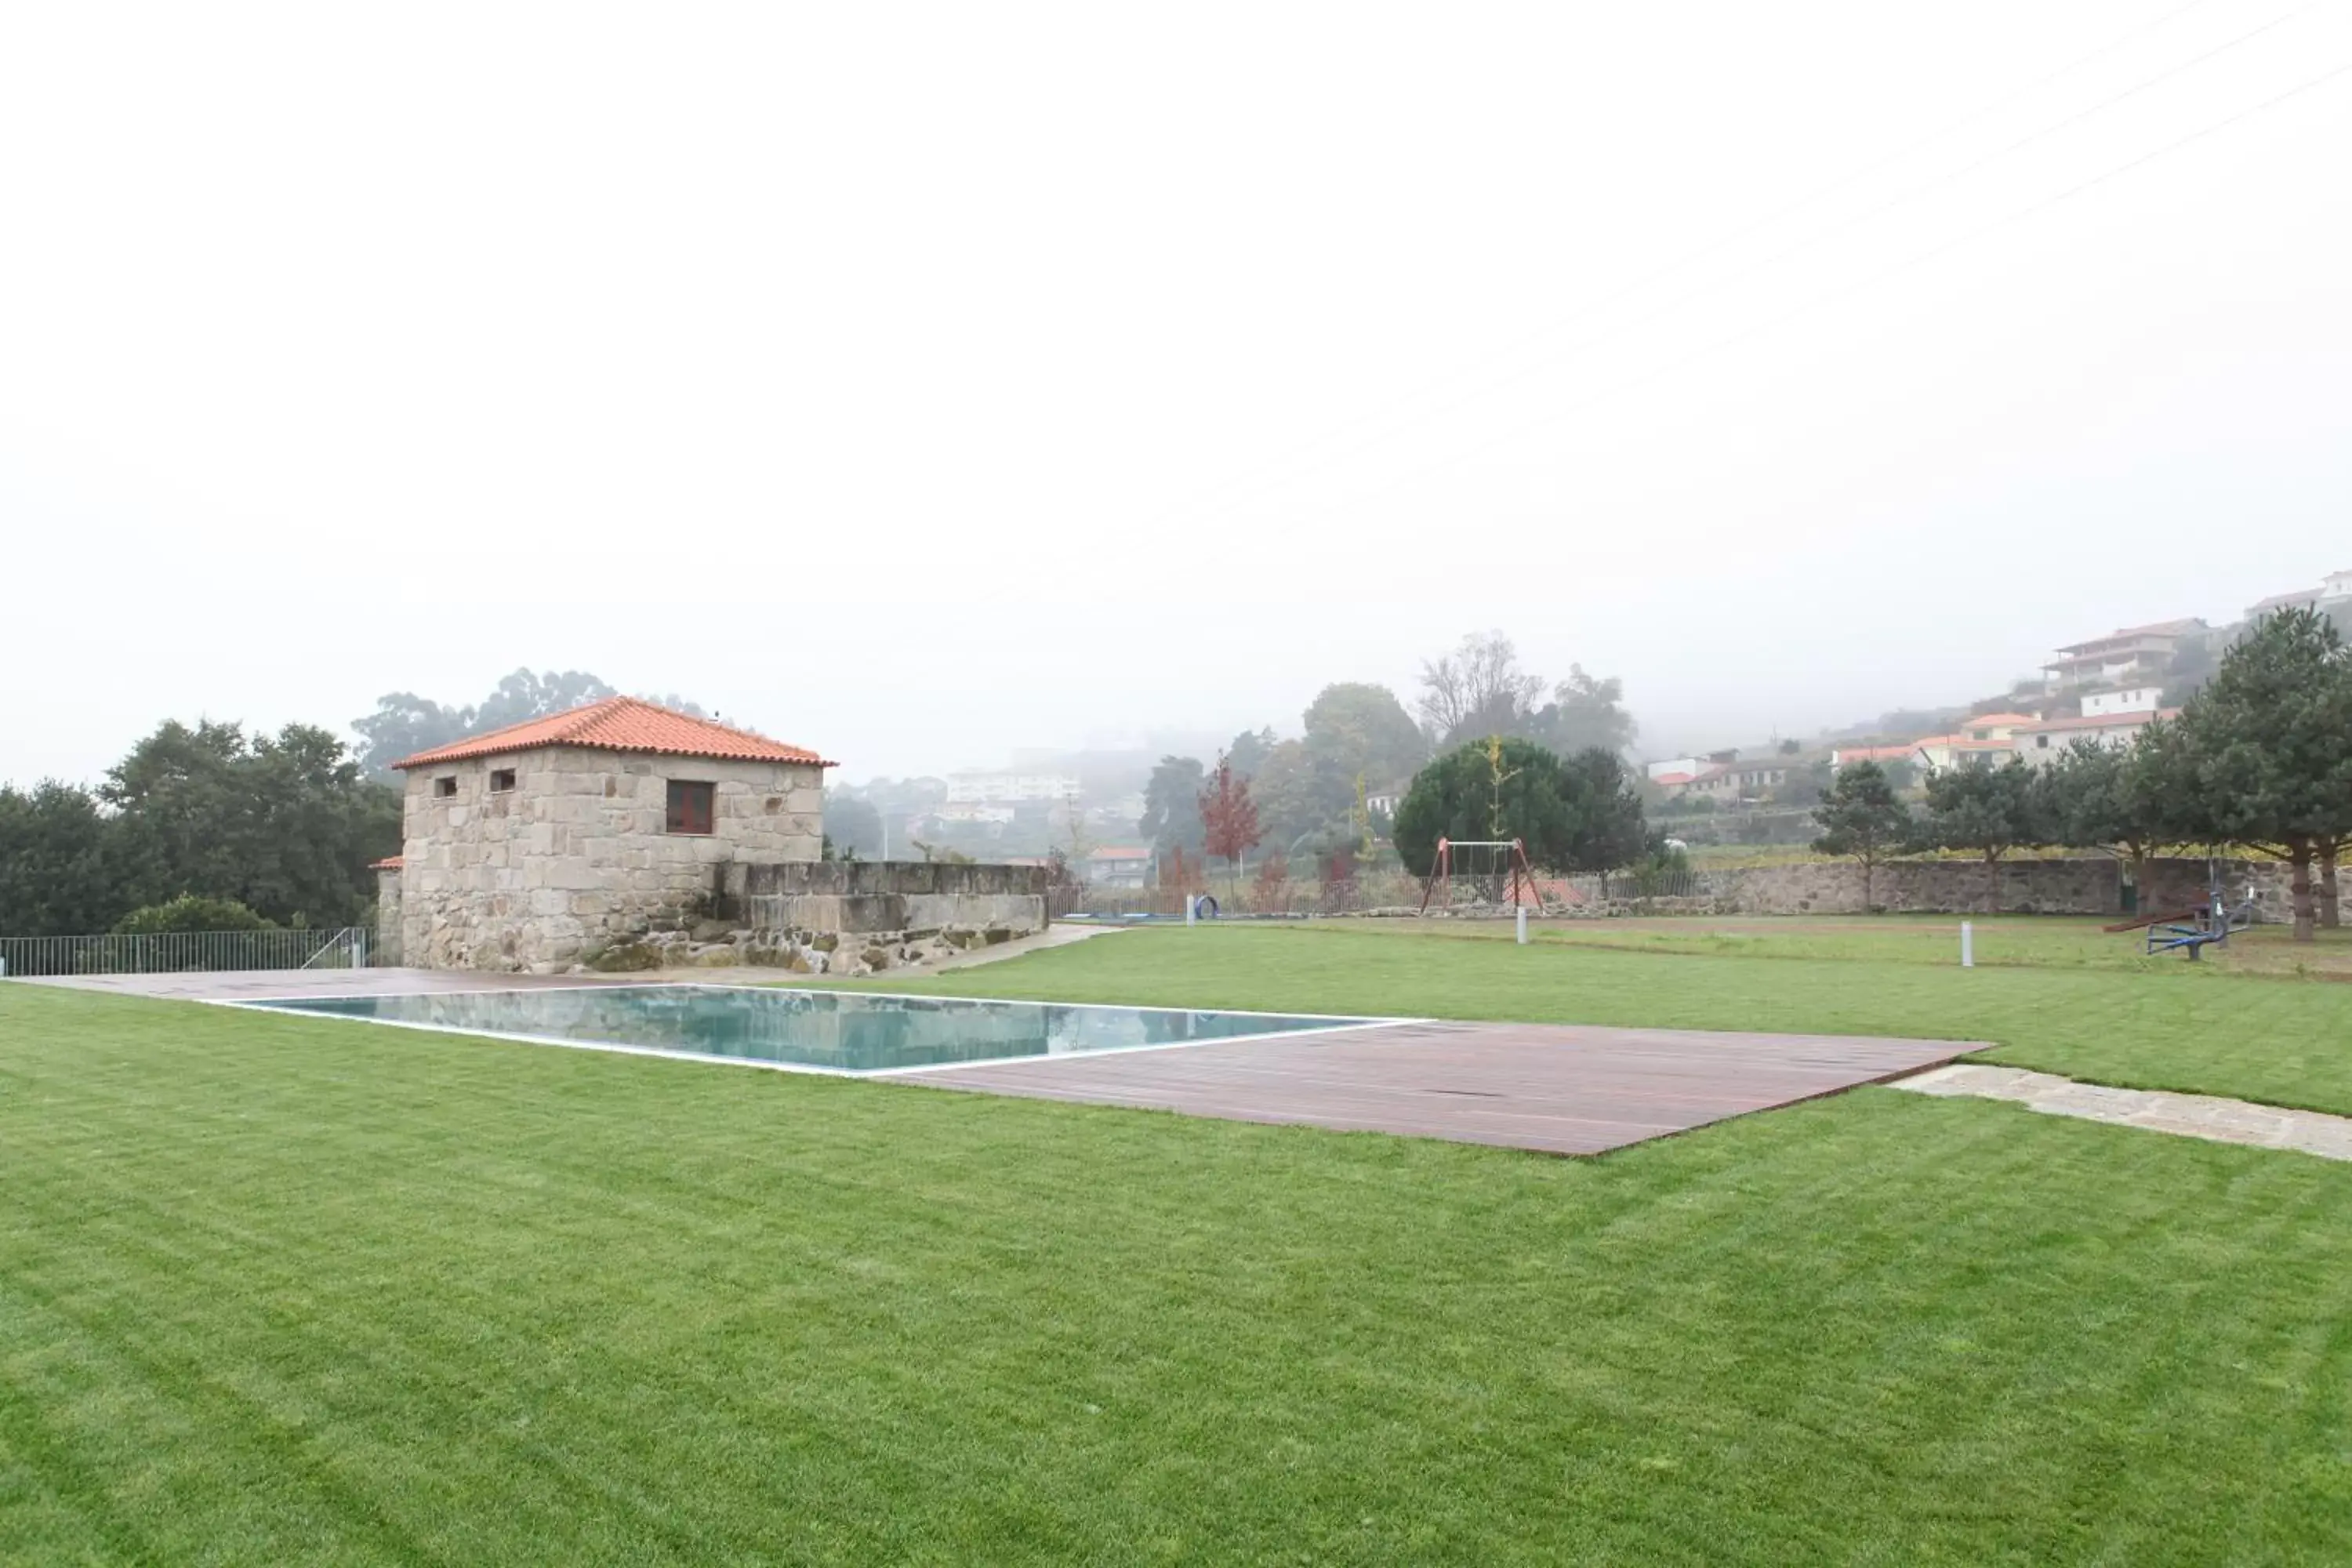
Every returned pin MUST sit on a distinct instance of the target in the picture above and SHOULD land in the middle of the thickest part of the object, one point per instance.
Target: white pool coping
(281, 1007)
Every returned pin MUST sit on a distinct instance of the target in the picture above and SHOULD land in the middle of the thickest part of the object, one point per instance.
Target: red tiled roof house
(532, 847)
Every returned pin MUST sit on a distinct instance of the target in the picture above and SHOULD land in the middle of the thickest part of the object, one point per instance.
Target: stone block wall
(2086, 886)
(895, 896)
(1923, 887)
(2185, 883)
(904, 877)
(387, 916)
(577, 855)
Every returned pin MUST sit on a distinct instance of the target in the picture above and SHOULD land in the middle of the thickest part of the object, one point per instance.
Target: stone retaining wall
(2179, 884)
(797, 950)
(1924, 887)
(882, 896)
(2034, 887)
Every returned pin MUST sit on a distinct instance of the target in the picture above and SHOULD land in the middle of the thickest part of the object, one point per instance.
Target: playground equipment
(2193, 929)
(1491, 872)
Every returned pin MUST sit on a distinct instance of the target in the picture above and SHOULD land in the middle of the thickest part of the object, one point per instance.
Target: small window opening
(444, 789)
(502, 780)
(690, 806)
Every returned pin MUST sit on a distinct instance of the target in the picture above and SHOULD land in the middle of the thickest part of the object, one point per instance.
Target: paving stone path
(2188, 1115)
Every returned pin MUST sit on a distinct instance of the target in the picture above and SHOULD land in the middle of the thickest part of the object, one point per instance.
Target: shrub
(189, 912)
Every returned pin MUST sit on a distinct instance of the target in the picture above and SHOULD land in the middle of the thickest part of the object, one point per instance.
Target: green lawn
(278, 1290)
(2279, 1040)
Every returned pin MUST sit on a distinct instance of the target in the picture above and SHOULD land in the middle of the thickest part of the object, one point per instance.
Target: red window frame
(690, 806)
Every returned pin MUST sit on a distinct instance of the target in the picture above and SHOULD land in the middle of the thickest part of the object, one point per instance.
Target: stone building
(534, 846)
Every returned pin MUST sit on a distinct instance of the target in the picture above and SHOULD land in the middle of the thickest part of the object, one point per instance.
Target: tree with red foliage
(1229, 818)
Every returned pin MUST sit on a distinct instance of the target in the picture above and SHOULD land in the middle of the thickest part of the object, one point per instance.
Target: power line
(1390, 423)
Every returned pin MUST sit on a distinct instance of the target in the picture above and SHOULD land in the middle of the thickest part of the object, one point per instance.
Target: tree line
(210, 828)
(199, 827)
(1311, 796)
(2260, 759)
(404, 723)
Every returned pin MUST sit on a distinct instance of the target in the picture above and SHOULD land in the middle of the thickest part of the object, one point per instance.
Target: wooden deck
(1564, 1090)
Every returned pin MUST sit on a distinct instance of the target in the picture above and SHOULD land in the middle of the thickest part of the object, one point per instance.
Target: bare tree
(1476, 690)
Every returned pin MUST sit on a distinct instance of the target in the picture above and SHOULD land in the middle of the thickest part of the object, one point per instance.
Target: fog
(921, 384)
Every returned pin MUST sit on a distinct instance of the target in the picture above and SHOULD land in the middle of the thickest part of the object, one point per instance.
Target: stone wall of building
(388, 947)
(576, 855)
(894, 896)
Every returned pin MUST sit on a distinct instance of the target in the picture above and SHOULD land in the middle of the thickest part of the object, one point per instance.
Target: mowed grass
(276, 1289)
(2196, 1030)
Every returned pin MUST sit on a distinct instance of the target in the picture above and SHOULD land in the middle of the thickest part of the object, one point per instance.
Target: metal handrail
(116, 952)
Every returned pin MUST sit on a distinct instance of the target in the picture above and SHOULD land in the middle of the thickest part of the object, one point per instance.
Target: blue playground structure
(2193, 930)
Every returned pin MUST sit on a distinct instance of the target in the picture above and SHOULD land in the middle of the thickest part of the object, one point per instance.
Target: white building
(2042, 743)
(2132, 651)
(973, 814)
(1733, 781)
(2121, 700)
(996, 788)
(1689, 766)
(1119, 866)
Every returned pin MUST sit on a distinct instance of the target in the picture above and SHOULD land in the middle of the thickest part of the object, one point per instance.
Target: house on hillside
(1995, 726)
(2041, 744)
(530, 847)
(2301, 599)
(2131, 651)
(1735, 781)
(1938, 752)
(1902, 751)
(2333, 594)
(1119, 866)
(2121, 700)
(1010, 788)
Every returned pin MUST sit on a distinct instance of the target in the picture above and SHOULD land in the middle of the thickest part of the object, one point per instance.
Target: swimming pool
(816, 1031)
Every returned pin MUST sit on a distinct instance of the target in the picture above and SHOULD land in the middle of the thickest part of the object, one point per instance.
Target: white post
(1191, 909)
(1967, 945)
(1523, 925)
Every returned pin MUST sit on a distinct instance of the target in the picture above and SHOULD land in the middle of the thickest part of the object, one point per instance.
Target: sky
(924, 383)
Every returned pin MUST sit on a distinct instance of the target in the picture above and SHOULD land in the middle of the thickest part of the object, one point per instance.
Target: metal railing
(184, 952)
(1636, 885)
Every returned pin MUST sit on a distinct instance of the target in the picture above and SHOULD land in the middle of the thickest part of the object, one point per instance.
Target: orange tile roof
(622, 724)
(389, 863)
(2138, 716)
(2180, 628)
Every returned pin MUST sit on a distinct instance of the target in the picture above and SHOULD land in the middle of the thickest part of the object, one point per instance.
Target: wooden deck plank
(1561, 1089)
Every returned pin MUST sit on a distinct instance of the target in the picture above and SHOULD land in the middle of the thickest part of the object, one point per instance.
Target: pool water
(833, 1031)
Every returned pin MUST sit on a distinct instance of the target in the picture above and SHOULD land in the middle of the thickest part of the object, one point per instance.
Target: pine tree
(1861, 816)
(2268, 743)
